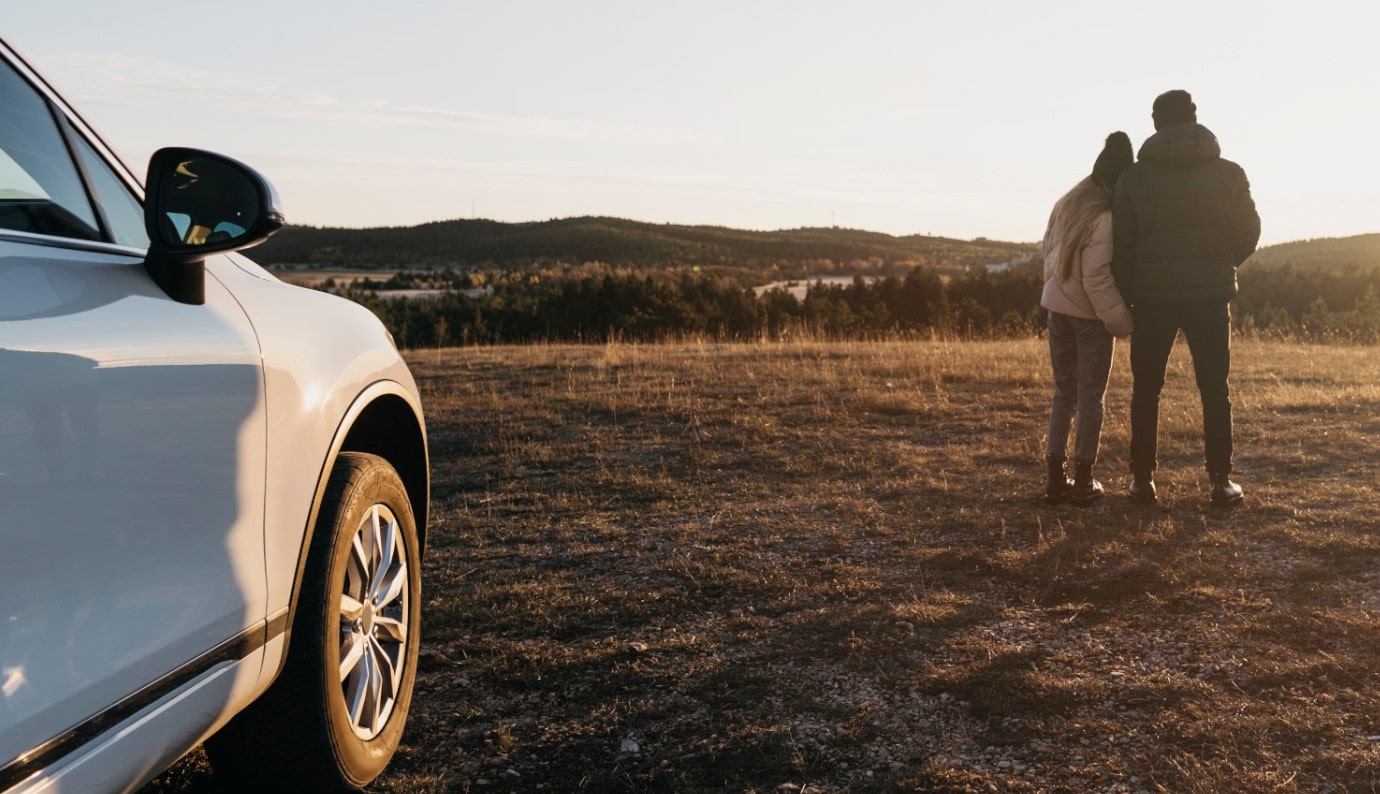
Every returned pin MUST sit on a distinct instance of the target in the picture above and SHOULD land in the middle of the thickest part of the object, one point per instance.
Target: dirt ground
(826, 566)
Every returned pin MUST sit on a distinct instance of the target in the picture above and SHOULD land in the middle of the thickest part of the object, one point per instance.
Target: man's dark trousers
(1207, 329)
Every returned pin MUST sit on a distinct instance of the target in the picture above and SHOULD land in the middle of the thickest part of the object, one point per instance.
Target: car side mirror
(199, 203)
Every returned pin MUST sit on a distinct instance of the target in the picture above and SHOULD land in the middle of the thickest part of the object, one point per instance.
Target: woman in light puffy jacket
(1085, 313)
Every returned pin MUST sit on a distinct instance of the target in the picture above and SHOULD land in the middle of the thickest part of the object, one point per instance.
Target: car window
(124, 215)
(40, 189)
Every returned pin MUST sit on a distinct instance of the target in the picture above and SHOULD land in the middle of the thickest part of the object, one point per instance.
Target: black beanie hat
(1115, 157)
(1173, 107)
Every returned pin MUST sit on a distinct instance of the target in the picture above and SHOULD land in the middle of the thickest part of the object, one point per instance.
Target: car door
(132, 439)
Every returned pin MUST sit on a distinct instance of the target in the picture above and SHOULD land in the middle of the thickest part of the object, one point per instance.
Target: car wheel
(335, 716)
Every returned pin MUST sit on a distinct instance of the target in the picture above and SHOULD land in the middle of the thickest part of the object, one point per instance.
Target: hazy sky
(962, 119)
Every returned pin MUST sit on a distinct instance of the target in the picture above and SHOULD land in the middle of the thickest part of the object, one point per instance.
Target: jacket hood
(1181, 144)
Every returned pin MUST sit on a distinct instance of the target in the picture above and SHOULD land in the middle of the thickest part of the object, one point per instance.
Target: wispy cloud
(546, 175)
(115, 80)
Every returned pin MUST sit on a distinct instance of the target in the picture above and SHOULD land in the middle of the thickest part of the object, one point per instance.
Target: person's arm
(1245, 222)
(1124, 233)
(1098, 282)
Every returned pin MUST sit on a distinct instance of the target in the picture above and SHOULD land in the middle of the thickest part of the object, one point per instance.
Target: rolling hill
(615, 241)
(1323, 253)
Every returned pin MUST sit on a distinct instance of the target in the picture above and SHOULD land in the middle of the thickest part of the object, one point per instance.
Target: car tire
(318, 728)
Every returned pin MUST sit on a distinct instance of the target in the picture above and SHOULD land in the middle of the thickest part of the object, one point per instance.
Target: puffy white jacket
(1090, 292)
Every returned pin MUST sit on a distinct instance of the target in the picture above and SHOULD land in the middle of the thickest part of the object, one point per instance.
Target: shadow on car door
(132, 438)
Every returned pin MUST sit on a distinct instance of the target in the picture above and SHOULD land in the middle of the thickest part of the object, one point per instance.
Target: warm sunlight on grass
(826, 567)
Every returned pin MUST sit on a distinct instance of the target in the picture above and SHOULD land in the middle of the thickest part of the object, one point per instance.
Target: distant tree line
(1327, 305)
(1325, 253)
(636, 307)
(1281, 302)
(466, 244)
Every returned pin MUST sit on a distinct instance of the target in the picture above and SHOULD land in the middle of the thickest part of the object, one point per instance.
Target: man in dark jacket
(1182, 221)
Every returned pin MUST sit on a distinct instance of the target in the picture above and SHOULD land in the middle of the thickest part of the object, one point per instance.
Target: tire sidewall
(360, 760)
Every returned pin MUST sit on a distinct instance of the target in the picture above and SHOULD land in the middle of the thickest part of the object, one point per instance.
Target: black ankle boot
(1058, 486)
(1225, 493)
(1086, 490)
(1142, 488)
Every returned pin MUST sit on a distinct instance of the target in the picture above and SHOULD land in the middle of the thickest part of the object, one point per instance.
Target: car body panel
(125, 759)
(132, 434)
(329, 359)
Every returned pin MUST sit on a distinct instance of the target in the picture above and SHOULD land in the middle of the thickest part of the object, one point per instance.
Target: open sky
(960, 118)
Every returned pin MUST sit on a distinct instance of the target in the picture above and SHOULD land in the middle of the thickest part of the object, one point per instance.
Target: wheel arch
(384, 420)
(389, 428)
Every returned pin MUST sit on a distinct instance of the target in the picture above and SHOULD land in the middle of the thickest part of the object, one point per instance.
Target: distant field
(826, 567)
(314, 278)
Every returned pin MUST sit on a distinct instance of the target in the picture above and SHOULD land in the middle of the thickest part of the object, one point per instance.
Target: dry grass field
(826, 566)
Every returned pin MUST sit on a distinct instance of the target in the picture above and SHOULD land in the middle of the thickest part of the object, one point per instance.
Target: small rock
(431, 661)
(630, 746)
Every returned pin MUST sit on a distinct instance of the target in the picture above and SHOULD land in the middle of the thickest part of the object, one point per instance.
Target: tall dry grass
(826, 566)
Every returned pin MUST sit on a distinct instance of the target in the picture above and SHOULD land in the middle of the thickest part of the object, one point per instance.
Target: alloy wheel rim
(373, 622)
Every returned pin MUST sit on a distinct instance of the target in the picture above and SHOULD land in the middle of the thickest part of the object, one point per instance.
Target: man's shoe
(1225, 493)
(1086, 490)
(1058, 486)
(1142, 489)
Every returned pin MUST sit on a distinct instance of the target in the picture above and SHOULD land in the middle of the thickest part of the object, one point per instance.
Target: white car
(213, 485)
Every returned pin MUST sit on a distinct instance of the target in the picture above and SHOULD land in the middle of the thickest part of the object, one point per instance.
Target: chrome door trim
(73, 739)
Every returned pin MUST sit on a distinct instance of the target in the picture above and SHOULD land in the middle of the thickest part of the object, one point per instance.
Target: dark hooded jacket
(1182, 220)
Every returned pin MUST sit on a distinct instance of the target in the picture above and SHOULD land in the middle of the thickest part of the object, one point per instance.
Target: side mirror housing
(199, 203)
